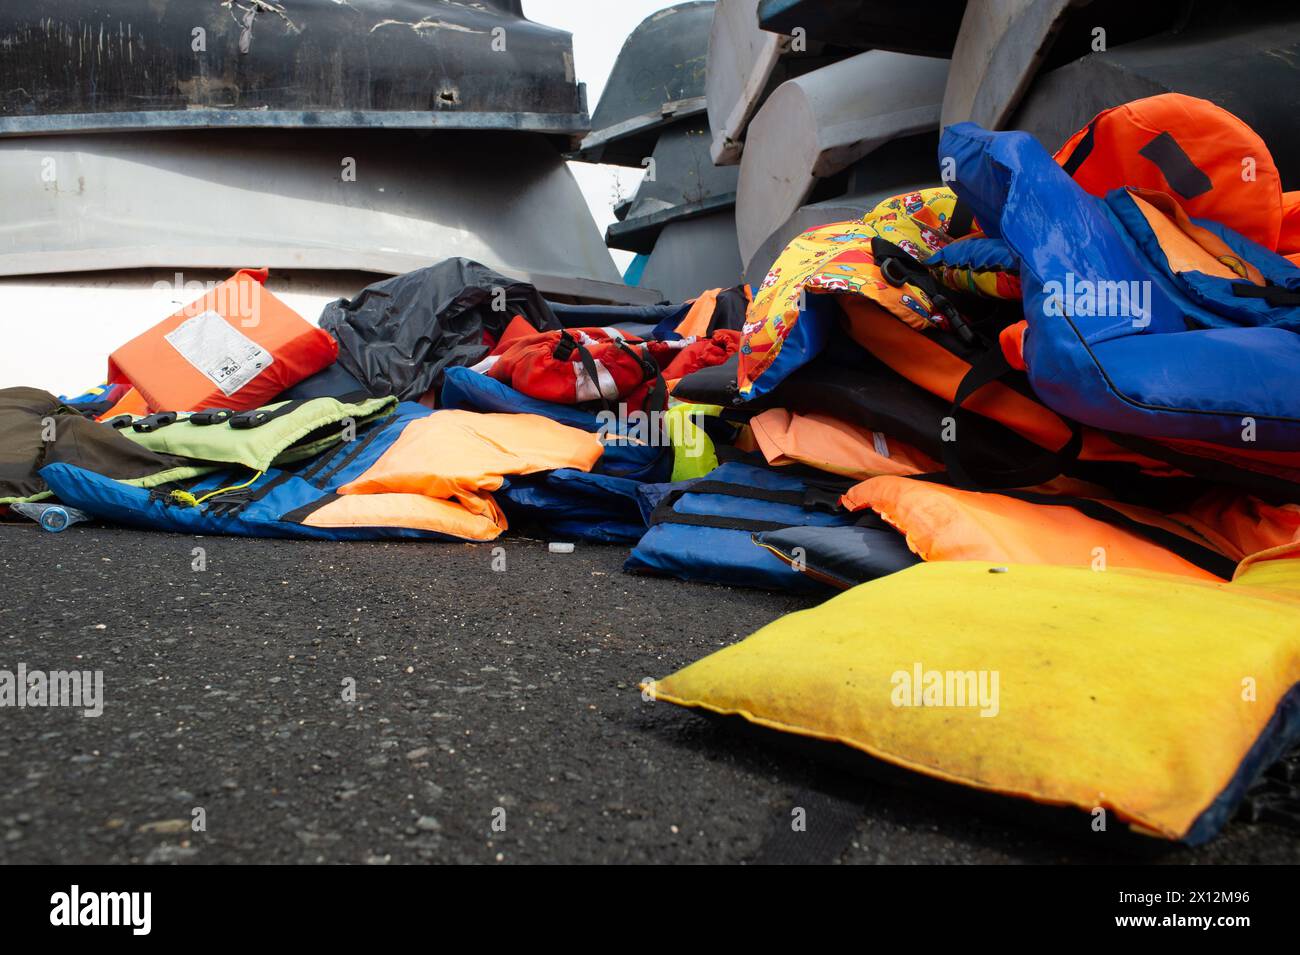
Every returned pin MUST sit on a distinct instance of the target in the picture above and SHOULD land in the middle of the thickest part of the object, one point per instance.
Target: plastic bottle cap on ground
(558, 548)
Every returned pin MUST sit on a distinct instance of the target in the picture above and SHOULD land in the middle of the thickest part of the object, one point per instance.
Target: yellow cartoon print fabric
(837, 259)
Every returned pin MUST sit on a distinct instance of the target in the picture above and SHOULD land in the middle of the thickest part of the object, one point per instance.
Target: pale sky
(599, 28)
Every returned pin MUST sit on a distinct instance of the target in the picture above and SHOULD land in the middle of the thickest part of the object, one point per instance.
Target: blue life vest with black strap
(704, 529)
(1190, 356)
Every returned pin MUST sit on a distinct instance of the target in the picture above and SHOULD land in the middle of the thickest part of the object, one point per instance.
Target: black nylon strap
(656, 398)
(743, 490)
(665, 511)
(959, 223)
(326, 458)
(354, 397)
(715, 520)
(1275, 295)
(986, 370)
(589, 365)
(231, 505)
(323, 460)
(898, 267)
(566, 346)
(1200, 555)
(256, 417)
(1081, 151)
(1186, 178)
(1274, 488)
(821, 497)
(299, 514)
(358, 445)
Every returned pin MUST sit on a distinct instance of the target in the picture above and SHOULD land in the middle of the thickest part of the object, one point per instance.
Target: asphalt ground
(481, 697)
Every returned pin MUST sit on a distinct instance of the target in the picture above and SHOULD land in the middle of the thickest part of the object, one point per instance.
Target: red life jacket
(579, 365)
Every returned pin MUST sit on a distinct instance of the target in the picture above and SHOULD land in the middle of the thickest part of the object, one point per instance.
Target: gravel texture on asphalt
(480, 697)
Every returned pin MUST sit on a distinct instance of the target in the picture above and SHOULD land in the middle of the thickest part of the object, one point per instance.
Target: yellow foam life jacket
(1150, 697)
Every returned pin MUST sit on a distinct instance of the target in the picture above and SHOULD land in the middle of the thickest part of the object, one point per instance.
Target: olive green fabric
(37, 429)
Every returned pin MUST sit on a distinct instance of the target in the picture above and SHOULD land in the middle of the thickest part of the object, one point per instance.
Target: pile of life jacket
(1069, 374)
(441, 404)
(1059, 395)
(1082, 371)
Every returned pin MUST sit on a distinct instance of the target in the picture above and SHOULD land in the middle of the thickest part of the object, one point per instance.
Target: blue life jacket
(275, 505)
(704, 529)
(1198, 357)
(575, 505)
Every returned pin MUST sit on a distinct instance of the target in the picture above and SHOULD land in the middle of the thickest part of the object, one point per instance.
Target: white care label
(881, 443)
(222, 354)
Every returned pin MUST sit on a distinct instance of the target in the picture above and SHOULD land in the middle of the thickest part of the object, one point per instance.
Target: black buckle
(822, 499)
(119, 421)
(893, 271)
(228, 505)
(250, 419)
(564, 347)
(211, 416)
(955, 320)
(162, 494)
(154, 422)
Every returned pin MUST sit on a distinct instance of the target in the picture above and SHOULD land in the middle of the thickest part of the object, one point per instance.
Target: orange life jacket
(946, 523)
(237, 347)
(1288, 243)
(1213, 163)
(838, 447)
